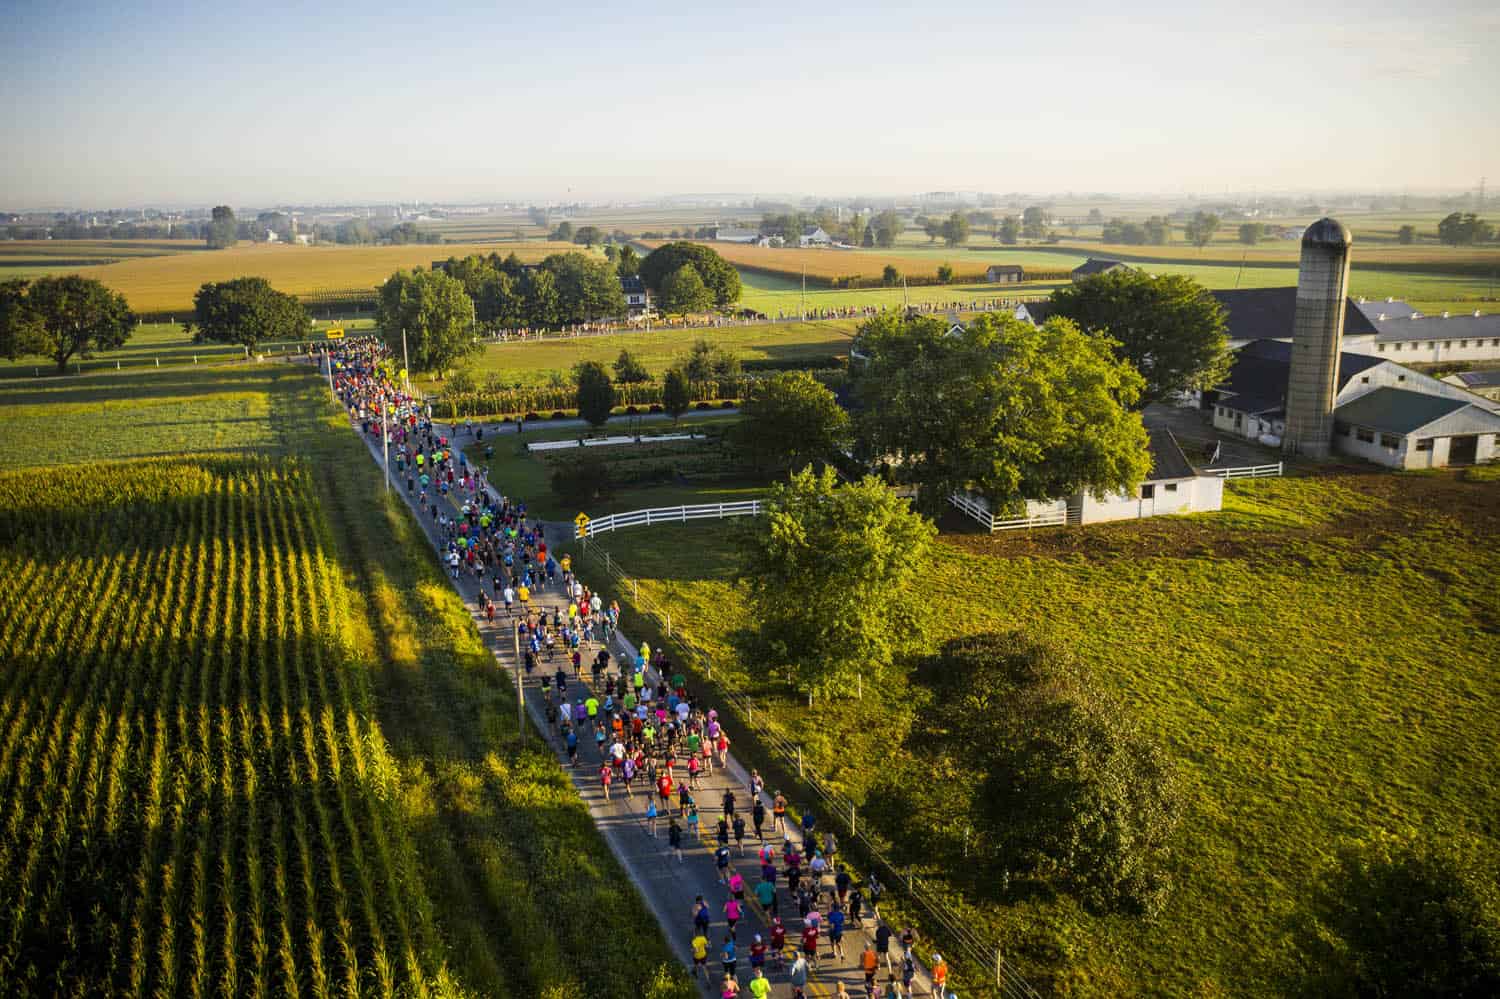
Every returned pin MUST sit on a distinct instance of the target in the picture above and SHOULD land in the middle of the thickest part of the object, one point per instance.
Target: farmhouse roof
(1096, 265)
(1479, 379)
(1420, 327)
(1167, 459)
(1397, 411)
(1377, 309)
(1266, 313)
(1258, 375)
(632, 286)
(1007, 268)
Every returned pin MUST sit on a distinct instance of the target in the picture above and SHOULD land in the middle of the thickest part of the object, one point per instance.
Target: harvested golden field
(162, 284)
(1418, 258)
(22, 252)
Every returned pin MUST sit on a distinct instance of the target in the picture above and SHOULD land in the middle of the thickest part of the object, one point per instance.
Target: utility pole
(385, 441)
(804, 292)
(515, 638)
(405, 363)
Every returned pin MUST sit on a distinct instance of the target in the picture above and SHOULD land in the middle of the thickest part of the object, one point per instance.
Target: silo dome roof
(1327, 232)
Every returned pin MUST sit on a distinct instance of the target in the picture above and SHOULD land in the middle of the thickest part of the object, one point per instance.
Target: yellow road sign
(337, 333)
(582, 522)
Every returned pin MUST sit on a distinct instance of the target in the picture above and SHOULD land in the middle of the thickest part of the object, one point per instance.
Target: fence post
(852, 816)
(799, 762)
(911, 883)
(998, 960)
(669, 624)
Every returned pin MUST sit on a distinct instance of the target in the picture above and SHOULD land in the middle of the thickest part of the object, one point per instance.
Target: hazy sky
(123, 104)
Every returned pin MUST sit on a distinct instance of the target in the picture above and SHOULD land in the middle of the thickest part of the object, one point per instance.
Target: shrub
(704, 405)
(631, 411)
(558, 414)
(728, 404)
(655, 407)
(532, 416)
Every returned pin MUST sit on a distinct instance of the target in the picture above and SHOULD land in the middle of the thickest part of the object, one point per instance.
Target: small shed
(1005, 273)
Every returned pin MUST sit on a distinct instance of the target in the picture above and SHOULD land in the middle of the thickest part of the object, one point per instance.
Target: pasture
(1316, 659)
(251, 741)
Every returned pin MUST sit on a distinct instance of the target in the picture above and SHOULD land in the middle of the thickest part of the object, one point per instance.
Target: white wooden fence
(981, 513)
(671, 515)
(1248, 471)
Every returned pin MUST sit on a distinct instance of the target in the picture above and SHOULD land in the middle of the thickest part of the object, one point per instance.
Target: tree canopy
(716, 272)
(59, 317)
(629, 369)
(1000, 407)
(629, 262)
(223, 230)
(829, 569)
(1201, 228)
(596, 394)
(588, 287)
(1068, 794)
(791, 420)
(1464, 229)
(434, 311)
(675, 398)
(887, 226)
(955, 229)
(684, 291)
(1168, 327)
(246, 311)
(1405, 917)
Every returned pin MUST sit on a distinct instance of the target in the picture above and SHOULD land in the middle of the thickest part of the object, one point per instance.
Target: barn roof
(1167, 459)
(1420, 327)
(1263, 313)
(1096, 265)
(1006, 268)
(1479, 379)
(1397, 411)
(1259, 373)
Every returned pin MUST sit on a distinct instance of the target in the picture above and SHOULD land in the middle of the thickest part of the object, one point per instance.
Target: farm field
(777, 296)
(517, 473)
(1315, 659)
(536, 363)
(167, 283)
(825, 265)
(251, 739)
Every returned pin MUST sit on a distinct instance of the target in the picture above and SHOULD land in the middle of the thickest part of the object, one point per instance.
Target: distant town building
(634, 290)
(733, 234)
(814, 236)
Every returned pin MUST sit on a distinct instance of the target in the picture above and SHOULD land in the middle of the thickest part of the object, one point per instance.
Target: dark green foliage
(582, 482)
(954, 230)
(1464, 229)
(1252, 232)
(792, 420)
(1169, 327)
(945, 274)
(890, 276)
(1069, 796)
(434, 312)
(58, 317)
(588, 288)
(684, 291)
(1201, 228)
(717, 273)
(596, 394)
(1417, 918)
(674, 394)
(246, 311)
(223, 231)
(1406, 235)
(628, 370)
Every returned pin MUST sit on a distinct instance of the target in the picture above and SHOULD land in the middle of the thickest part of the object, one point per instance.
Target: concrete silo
(1322, 290)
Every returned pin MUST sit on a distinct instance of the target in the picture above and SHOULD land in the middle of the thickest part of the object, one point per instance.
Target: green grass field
(1317, 659)
(516, 473)
(531, 363)
(252, 742)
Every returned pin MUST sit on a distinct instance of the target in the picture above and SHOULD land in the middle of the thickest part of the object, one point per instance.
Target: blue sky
(157, 103)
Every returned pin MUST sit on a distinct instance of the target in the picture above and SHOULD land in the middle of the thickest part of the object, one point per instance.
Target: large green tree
(1464, 229)
(830, 569)
(791, 420)
(629, 370)
(541, 304)
(59, 317)
(1003, 408)
(1009, 231)
(1405, 917)
(588, 287)
(887, 226)
(1169, 327)
(223, 230)
(246, 311)
(434, 312)
(1201, 228)
(20, 326)
(684, 291)
(1069, 796)
(1034, 222)
(589, 235)
(596, 394)
(629, 262)
(675, 396)
(716, 272)
(955, 229)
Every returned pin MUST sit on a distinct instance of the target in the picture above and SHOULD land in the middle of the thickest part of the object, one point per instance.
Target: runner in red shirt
(810, 944)
(778, 943)
(664, 788)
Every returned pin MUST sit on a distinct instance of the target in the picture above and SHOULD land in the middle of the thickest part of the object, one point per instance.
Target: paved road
(669, 886)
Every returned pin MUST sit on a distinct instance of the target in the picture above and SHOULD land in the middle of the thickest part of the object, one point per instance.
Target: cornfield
(199, 799)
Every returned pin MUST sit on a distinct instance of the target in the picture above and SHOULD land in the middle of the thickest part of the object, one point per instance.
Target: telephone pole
(405, 363)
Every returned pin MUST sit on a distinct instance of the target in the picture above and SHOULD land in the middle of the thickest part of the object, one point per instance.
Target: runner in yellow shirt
(523, 594)
(700, 955)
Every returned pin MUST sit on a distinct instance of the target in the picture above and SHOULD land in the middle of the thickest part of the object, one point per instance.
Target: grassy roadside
(1315, 659)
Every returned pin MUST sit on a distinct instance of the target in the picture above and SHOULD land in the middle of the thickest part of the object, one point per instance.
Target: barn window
(1368, 436)
(1463, 343)
(1400, 378)
(1424, 444)
(1398, 346)
(1380, 348)
(1148, 491)
(1171, 487)
(1364, 380)
(1390, 440)
(1447, 344)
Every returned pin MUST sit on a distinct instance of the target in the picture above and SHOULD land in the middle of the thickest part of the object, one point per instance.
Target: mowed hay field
(251, 742)
(824, 265)
(1317, 660)
(168, 283)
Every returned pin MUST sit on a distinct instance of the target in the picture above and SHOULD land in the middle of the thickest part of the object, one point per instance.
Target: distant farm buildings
(1485, 384)
(634, 290)
(1096, 265)
(814, 236)
(1297, 388)
(734, 234)
(1005, 273)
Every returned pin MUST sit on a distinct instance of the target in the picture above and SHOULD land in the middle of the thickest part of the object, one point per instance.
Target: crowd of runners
(650, 738)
